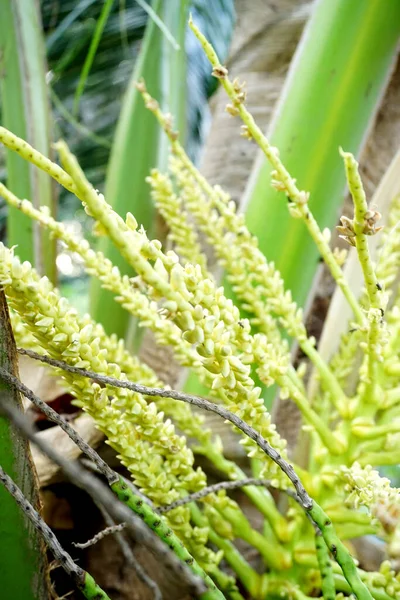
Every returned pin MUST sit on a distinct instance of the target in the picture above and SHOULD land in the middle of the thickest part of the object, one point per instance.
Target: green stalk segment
(158, 524)
(91, 590)
(364, 224)
(247, 575)
(272, 553)
(339, 552)
(26, 111)
(341, 584)
(325, 567)
(261, 497)
(333, 90)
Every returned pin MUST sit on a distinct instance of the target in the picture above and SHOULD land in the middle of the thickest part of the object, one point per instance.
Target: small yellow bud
(131, 221)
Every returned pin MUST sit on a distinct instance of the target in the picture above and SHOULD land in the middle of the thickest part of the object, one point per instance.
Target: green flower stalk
(325, 567)
(159, 525)
(282, 179)
(356, 232)
(27, 152)
(340, 553)
(364, 224)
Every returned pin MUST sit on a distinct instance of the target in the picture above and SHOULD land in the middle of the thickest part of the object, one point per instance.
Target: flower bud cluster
(189, 422)
(137, 303)
(108, 414)
(22, 335)
(225, 351)
(207, 319)
(256, 282)
(181, 231)
(368, 489)
(148, 446)
(167, 333)
(386, 580)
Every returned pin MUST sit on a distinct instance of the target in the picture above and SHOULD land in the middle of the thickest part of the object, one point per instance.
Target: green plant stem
(249, 577)
(261, 498)
(360, 210)
(325, 567)
(342, 586)
(30, 154)
(82, 579)
(91, 590)
(340, 552)
(361, 225)
(378, 459)
(369, 394)
(158, 524)
(328, 379)
(327, 437)
(349, 531)
(98, 32)
(274, 557)
(331, 263)
(225, 584)
(349, 516)
(376, 431)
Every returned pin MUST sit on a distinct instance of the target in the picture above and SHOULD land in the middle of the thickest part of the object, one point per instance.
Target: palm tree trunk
(22, 553)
